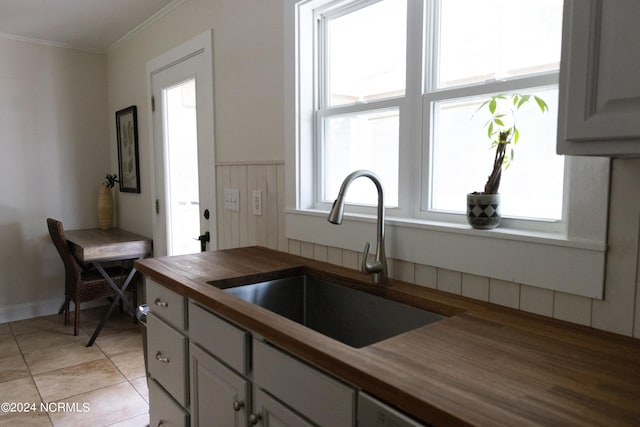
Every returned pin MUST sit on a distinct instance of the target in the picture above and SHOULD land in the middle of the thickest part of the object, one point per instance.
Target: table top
(100, 245)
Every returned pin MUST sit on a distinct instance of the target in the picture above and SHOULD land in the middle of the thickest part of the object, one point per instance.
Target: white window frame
(569, 258)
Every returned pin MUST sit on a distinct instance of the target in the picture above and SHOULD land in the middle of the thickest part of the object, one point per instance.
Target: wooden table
(95, 246)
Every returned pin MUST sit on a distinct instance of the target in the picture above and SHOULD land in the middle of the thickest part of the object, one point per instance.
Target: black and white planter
(483, 210)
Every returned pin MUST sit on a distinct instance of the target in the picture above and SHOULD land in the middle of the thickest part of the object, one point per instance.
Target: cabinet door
(268, 412)
(218, 395)
(600, 78)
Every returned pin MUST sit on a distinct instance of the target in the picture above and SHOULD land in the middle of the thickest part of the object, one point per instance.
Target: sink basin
(350, 316)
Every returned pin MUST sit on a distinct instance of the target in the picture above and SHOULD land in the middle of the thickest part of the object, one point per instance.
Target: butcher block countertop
(483, 365)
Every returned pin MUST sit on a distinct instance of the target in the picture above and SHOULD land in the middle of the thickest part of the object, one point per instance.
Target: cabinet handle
(161, 358)
(237, 405)
(255, 419)
(160, 303)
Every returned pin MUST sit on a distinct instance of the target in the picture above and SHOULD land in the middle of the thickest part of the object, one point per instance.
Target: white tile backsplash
(536, 300)
(572, 308)
(450, 281)
(476, 287)
(426, 275)
(504, 293)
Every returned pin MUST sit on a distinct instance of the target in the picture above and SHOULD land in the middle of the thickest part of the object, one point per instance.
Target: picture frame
(128, 159)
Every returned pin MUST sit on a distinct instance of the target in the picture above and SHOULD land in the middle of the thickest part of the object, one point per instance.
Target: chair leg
(66, 311)
(76, 320)
(134, 297)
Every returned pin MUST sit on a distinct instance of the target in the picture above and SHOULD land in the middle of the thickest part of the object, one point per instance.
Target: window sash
(323, 111)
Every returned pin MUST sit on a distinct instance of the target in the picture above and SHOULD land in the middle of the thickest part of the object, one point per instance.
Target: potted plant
(105, 202)
(483, 208)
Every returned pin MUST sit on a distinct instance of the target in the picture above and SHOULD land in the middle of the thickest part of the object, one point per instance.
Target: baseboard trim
(12, 313)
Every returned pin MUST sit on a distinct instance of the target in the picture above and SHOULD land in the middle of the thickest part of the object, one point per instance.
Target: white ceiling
(83, 24)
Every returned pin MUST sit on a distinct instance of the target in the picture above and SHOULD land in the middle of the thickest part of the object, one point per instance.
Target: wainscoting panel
(243, 228)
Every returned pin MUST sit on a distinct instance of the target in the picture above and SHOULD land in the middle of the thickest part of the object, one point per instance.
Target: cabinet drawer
(320, 398)
(166, 304)
(163, 410)
(166, 350)
(227, 342)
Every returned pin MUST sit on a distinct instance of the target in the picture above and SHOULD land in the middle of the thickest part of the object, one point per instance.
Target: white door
(184, 164)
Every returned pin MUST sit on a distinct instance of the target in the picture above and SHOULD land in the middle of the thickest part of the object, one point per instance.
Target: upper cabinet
(599, 111)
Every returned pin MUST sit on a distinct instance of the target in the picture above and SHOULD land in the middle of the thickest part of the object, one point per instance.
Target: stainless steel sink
(348, 315)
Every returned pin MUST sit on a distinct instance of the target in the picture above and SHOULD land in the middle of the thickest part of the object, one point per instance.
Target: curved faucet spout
(379, 267)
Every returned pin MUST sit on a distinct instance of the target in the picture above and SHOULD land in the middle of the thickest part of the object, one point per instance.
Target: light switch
(232, 199)
(257, 202)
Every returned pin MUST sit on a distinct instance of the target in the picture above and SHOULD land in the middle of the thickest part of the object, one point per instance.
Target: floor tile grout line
(104, 354)
(33, 381)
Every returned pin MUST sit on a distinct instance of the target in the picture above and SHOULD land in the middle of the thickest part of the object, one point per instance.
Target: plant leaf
(523, 100)
(492, 105)
(543, 105)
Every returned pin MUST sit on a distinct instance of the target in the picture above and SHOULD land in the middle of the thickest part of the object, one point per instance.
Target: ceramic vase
(483, 210)
(105, 208)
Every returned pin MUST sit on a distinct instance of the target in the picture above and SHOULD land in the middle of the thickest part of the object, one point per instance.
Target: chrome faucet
(379, 267)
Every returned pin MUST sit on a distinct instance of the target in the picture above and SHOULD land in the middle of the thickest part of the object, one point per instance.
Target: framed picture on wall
(128, 163)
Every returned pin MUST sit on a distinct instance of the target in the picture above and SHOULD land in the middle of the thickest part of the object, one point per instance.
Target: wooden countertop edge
(188, 276)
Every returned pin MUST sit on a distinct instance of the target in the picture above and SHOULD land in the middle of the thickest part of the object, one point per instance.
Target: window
(393, 86)
(365, 58)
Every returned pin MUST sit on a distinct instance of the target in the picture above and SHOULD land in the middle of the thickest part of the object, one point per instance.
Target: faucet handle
(365, 255)
(367, 267)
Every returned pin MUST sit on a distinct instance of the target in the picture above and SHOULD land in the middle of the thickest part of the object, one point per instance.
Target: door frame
(201, 44)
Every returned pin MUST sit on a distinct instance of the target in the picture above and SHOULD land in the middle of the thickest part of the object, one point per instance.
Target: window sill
(544, 260)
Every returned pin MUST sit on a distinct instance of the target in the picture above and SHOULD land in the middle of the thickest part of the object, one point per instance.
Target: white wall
(53, 156)
(248, 85)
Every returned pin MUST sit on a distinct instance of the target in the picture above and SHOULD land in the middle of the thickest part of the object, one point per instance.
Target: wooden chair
(82, 284)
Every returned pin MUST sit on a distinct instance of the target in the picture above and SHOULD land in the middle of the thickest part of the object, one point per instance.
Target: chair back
(71, 266)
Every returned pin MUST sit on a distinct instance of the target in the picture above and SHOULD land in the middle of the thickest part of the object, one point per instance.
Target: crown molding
(151, 20)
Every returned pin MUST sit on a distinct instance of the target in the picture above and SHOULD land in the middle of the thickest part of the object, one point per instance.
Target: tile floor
(65, 383)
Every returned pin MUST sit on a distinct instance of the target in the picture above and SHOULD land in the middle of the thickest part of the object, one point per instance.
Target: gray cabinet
(166, 350)
(317, 396)
(268, 412)
(207, 371)
(600, 79)
(167, 357)
(219, 396)
(164, 411)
